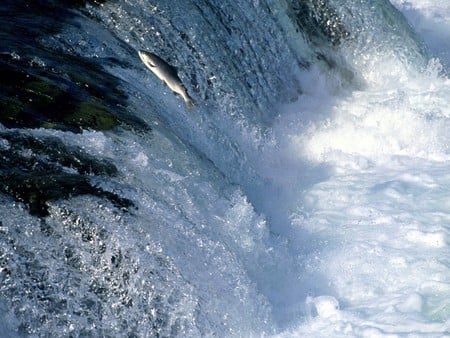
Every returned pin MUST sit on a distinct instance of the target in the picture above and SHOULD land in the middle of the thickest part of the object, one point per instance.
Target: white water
(381, 211)
(431, 19)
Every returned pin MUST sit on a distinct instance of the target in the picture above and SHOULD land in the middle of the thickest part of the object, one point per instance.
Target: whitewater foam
(381, 209)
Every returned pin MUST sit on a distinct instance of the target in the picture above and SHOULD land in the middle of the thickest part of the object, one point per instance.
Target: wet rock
(35, 98)
(319, 20)
(37, 170)
(36, 189)
(45, 85)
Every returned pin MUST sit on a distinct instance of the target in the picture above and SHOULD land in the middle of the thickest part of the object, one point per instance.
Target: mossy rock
(48, 87)
(10, 110)
(92, 115)
(37, 101)
(76, 96)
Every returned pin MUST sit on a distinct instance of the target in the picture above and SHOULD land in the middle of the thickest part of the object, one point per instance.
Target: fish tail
(189, 103)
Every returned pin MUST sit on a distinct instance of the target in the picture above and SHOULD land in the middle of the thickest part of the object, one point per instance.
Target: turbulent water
(307, 193)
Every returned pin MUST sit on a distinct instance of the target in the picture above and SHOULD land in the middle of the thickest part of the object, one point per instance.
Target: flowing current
(307, 193)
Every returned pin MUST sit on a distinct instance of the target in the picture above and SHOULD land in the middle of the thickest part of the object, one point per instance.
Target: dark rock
(35, 171)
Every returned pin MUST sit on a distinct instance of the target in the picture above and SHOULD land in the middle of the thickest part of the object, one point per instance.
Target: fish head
(149, 59)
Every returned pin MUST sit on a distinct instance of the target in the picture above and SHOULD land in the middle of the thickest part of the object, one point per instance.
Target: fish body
(167, 74)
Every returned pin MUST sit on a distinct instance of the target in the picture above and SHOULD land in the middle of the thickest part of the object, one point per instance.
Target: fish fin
(190, 104)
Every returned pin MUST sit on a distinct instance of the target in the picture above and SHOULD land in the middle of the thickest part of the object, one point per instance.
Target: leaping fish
(167, 74)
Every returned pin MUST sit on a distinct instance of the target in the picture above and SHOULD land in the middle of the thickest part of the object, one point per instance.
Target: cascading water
(304, 195)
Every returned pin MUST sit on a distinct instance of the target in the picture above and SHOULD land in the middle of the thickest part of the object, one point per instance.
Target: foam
(322, 306)
(380, 212)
